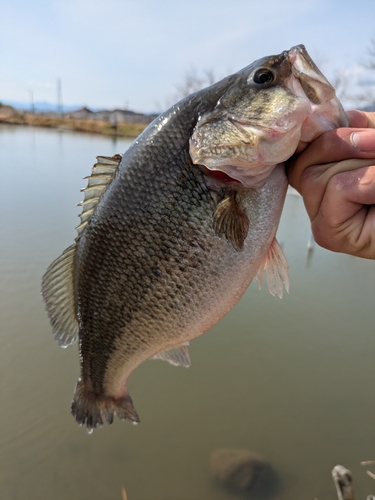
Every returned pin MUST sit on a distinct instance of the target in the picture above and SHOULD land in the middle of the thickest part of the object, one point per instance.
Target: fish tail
(92, 410)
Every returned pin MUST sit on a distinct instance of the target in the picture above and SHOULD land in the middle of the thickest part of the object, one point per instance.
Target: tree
(370, 64)
(194, 81)
(367, 96)
(344, 79)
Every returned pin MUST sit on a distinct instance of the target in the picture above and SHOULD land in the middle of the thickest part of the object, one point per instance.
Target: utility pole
(32, 107)
(59, 97)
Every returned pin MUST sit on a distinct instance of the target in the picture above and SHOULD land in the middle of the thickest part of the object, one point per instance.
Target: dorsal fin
(177, 356)
(58, 281)
(103, 173)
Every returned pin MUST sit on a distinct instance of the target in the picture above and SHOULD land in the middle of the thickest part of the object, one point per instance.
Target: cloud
(107, 52)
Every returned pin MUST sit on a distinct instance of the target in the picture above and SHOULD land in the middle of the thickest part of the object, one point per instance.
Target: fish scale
(182, 223)
(118, 276)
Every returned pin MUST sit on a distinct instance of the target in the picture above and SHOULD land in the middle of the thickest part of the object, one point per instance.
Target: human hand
(335, 175)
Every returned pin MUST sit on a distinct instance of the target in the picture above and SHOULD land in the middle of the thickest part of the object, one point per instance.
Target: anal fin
(276, 266)
(231, 221)
(177, 356)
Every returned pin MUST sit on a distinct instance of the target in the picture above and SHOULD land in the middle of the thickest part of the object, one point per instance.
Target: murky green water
(290, 379)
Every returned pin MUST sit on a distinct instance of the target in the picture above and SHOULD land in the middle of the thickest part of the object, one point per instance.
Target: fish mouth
(306, 80)
(234, 169)
(280, 127)
(248, 160)
(314, 84)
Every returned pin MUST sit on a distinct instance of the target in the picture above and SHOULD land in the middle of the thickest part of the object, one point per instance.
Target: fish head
(265, 111)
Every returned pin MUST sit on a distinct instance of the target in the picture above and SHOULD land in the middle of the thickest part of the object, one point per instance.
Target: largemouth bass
(173, 232)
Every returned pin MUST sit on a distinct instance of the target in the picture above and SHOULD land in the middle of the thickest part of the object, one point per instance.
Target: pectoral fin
(178, 356)
(231, 221)
(276, 266)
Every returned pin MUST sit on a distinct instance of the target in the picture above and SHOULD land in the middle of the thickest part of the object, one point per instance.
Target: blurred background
(293, 379)
(137, 55)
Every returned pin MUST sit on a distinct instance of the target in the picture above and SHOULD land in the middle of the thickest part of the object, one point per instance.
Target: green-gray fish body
(166, 246)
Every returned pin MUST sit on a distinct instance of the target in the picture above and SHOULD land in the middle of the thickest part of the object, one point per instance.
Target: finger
(370, 119)
(332, 146)
(348, 188)
(361, 119)
(345, 221)
(357, 119)
(317, 179)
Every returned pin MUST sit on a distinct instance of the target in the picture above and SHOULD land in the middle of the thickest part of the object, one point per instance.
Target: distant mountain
(40, 106)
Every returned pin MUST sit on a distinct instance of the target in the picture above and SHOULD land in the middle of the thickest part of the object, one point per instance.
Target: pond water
(291, 379)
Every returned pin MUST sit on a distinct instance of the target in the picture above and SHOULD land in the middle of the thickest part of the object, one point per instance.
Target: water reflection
(290, 379)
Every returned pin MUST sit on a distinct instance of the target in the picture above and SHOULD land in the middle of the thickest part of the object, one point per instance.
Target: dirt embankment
(11, 116)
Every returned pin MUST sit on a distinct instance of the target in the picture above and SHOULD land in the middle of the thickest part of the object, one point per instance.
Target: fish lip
(304, 69)
(314, 85)
(247, 181)
(276, 131)
(234, 169)
(219, 176)
(203, 155)
(300, 61)
(293, 52)
(244, 125)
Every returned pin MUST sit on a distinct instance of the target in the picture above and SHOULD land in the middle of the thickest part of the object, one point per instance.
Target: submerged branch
(343, 480)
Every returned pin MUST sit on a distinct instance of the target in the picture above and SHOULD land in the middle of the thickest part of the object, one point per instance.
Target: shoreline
(123, 129)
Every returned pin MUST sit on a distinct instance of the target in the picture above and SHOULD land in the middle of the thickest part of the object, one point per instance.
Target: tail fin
(91, 410)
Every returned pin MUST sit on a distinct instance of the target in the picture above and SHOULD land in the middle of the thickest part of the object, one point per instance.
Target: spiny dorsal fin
(231, 221)
(103, 173)
(58, 295)
(58, 282)
(276, 265)
(177, 356)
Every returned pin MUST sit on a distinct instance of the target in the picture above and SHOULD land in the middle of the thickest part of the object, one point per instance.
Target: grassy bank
(131, 130)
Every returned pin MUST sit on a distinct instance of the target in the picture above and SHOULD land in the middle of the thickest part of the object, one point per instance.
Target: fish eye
(263, 76)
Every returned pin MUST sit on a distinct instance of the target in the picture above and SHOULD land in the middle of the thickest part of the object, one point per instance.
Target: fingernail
(364, 140)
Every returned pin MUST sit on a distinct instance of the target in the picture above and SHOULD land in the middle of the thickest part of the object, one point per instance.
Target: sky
(135, 53)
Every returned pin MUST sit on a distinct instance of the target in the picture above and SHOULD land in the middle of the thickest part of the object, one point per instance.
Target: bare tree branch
(194, 82)
(340, 82)
(343, 481)
(370, 64)
(367, 96)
